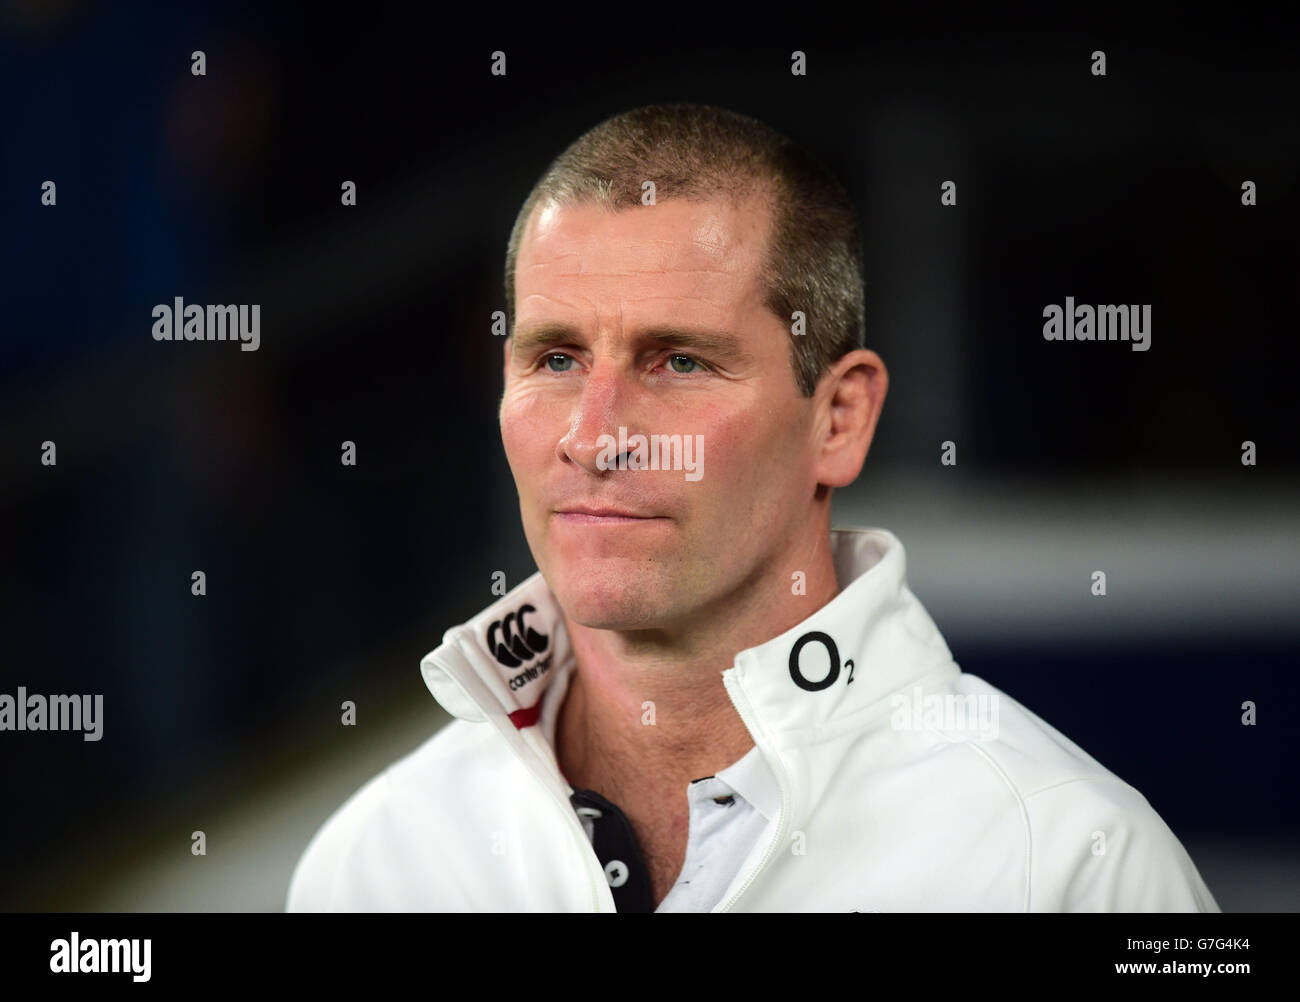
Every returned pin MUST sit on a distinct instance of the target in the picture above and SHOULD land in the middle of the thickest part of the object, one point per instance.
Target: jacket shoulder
(1101, 847)
(382, 806)
(1093, 841)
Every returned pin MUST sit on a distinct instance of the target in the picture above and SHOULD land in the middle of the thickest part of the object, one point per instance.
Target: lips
(589, 514)
(600, 511)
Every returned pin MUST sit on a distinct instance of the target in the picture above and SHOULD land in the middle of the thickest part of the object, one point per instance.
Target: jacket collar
(832, 673)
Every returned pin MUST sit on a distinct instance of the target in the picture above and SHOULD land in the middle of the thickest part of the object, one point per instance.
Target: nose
(593, 425)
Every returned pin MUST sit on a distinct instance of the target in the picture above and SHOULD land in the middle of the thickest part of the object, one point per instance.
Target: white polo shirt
(730, 810)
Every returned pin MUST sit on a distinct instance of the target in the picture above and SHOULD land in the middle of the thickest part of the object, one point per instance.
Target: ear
(848, 400)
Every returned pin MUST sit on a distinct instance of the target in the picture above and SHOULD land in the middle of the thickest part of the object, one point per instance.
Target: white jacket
(890, 800)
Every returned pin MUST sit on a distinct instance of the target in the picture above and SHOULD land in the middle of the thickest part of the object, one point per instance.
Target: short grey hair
(814, 258)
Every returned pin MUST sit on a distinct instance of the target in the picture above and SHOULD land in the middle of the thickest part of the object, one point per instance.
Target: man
(705, 699)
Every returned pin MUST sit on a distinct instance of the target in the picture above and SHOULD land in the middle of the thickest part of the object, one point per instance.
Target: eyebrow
(719, 343)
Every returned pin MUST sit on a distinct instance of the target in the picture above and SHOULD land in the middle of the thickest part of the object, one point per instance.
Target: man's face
(611, 288)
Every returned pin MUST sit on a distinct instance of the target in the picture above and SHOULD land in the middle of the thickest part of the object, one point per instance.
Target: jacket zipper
(595, 884)
(539, 770)
(743, 707)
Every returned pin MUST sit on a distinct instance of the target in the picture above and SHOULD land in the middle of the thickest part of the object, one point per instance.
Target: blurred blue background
(328, 583)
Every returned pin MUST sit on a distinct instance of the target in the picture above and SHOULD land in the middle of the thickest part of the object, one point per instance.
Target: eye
(694, 365)
(551, 358)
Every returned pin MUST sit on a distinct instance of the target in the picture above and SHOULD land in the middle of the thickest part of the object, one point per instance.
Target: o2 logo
(802, 680)
(514, 648)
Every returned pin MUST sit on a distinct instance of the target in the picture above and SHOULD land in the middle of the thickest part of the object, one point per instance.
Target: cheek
(751, 445)
(753, 463)
(525, 430)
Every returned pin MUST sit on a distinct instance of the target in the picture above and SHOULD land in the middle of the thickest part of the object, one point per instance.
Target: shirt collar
(751, 778)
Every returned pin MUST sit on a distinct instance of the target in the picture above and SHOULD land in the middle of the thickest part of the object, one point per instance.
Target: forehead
(584, 254)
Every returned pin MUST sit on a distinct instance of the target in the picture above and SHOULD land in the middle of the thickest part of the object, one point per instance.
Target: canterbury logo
(519, 642)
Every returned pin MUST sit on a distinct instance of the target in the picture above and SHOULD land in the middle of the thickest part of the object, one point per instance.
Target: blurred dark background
(328, 583)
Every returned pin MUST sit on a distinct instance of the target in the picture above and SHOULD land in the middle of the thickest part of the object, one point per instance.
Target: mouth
(591, 515)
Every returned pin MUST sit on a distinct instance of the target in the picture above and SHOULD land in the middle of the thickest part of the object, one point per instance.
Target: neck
(646, 710)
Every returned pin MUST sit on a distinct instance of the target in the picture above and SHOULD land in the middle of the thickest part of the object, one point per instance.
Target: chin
(609, 601)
